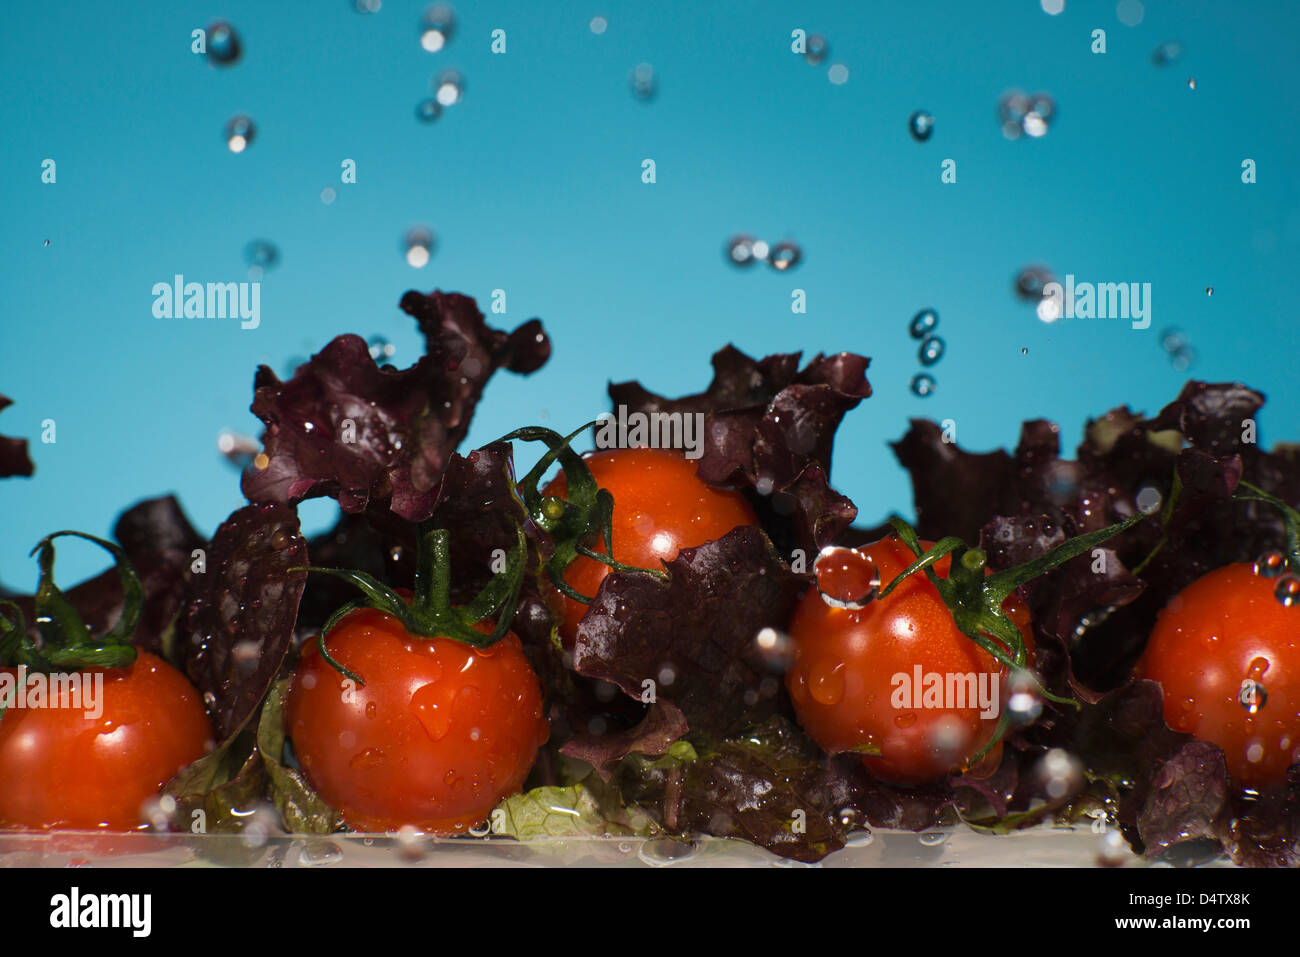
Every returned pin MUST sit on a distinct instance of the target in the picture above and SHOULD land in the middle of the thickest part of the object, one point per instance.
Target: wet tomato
(660, 507)
(894, 674)
(67, 767)
(439, 733)
(1226, 652)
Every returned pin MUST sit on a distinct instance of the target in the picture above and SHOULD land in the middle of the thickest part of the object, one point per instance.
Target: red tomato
(1226, 651)
(62, 769)
(436, 737)
(660, 507)
(853, 674)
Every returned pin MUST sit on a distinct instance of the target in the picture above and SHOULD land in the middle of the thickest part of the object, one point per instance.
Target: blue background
(533, 185)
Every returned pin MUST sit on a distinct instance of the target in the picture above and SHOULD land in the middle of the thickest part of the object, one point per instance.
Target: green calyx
(577, 521)
(430, 613)
(975, 599)
(66, 643)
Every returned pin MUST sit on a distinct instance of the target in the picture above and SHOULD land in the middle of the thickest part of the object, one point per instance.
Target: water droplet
(783, 256)
(838, 74)
(246, 655)
(1253, 696)
(663, 851)
(381, 349)
(932, 838)
(436, 26)
(775, 648)
(923, 384)
(846, 577)
(239, 133)
(237, 449)
(1130, 12)
(598, 25)
(1169, 52)
(222, 44)
(906, 720)
(1052, 7)
(1269, 565)
(1209, 290)
(1287, 590)
(931, 350)
(645, 86)
(741, 250)
(1191, 83)
(862, 838)
(367, 759)
(418, 246)
(826, 683)
(319, 854)
(481, 829)
(1149, 498)
(1021, 114)
(920, 124)
(1023, 702)
(449, 87)
(432, 705)
(426, 111)
(261, 253)
(1031, 282)
(1024, 351)
(327, 195)
(816, 49)
(923, 323)
(1060, 773)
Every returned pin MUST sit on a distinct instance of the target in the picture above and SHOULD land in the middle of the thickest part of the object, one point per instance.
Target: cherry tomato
(63, 769)
(660, 507)
(1226, 651)
(854, 670)
(439, 733)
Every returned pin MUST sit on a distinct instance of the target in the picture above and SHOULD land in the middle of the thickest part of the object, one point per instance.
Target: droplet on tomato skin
(433, 713)
(1252, 695)
(1269, 565)
(372, 710)
(1287, 590)
(905, 720)
(367, 759)
(846, 578)
(826, 683)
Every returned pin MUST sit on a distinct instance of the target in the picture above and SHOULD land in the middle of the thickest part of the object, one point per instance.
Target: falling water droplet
(237, 449)
(239, 133)
(428, 110)
(784, 255)
(223, 44)
(1209, 290)
(838, 74)
(920, 124)
(261, 253)
(1191, 83)
(816, 49)
(644, 83)
(923, 385)
(1169, 52)
(381, 349)
(923, 323)
(740, 250)
(775, 648)
(598, 25)
(449, 87)
(418, 246)
(436, 26)
(931, 350)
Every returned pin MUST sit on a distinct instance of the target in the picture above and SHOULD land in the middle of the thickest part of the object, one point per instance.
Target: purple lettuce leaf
(1185, 798)
(239, 623)
(694, 635)
(14, 459)
(662, 725)
(344, 427)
